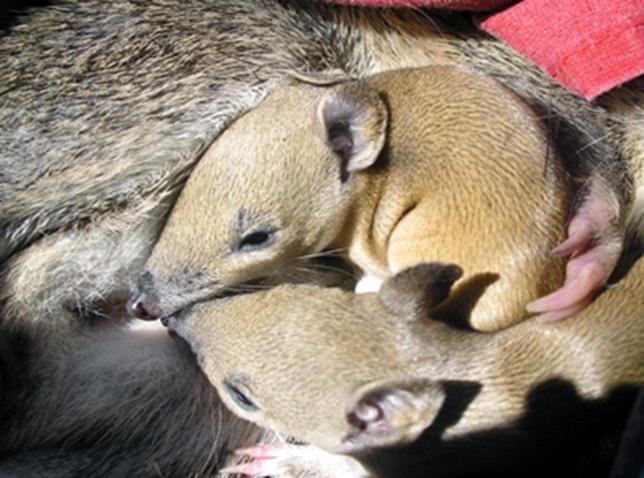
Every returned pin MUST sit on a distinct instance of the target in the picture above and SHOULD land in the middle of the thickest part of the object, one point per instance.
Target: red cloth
(455, 4)
(589, 46)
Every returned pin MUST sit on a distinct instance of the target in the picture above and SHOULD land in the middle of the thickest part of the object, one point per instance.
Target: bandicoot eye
(240, 398)
(255, 240)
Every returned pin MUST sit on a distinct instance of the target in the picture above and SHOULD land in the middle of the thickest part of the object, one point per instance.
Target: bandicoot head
(303, 172)
(240, 219)
(262, 349)
(350, 373)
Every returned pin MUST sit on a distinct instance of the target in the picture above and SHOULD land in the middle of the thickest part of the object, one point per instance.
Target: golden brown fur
(128, 115)
(524, 393)
(106, 106)
(444, 164)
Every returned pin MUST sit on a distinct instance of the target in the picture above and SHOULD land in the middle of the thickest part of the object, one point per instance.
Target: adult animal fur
(106, 107)
(110, 403)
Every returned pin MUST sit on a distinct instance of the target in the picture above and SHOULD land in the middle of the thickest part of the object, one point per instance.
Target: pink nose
(138, 308)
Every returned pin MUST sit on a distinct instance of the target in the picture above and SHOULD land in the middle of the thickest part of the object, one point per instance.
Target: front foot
(595, 242)
(295, 461)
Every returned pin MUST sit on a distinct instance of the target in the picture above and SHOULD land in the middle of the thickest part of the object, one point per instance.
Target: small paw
(595, 242)
(291, 461)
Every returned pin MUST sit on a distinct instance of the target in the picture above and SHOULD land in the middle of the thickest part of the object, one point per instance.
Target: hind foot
(595, 242)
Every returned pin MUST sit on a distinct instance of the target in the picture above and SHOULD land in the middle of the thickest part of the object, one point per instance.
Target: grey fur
(104, 109)
(106, 106)
(111, 403)
(127, 97)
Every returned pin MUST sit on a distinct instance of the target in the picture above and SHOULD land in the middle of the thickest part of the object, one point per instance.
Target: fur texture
(111, 403)
(104, 110)
(116, 107)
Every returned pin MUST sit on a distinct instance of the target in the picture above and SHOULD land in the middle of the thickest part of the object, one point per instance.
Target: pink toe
(576, 291)
(260, 451)
(561, 314)
(580, 233)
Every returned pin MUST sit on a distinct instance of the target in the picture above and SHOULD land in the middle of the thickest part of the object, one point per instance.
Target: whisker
(345, 272)
(427, 17)
(311, 268)
(325, 253)
(592, 143)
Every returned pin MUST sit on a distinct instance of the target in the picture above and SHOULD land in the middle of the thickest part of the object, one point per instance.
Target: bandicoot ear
(352, 119)
(414, 291)
(392, 412)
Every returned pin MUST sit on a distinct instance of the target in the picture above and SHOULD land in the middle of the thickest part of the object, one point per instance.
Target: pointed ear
(392, 412)
(414, 291)
(352, 119)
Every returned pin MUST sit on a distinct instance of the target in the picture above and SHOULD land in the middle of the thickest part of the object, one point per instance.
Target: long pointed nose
(141, 307)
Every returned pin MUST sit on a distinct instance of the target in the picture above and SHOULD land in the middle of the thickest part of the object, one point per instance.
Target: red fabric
(590, 46)
(454, 4)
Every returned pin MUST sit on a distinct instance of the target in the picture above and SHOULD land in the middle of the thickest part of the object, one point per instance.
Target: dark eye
(255, 240)
(240, 398)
